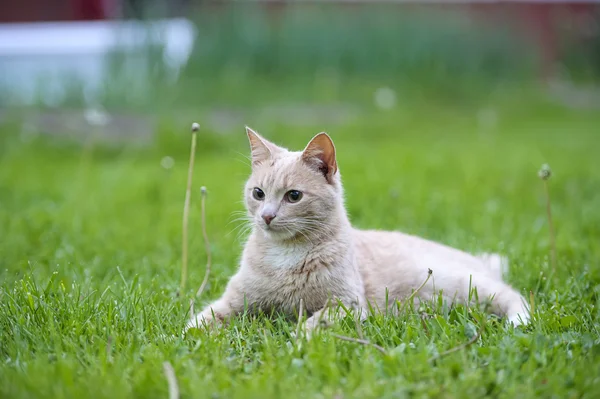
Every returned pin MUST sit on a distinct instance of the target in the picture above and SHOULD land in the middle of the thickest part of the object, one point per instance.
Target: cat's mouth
(271, 227)
(276, 231)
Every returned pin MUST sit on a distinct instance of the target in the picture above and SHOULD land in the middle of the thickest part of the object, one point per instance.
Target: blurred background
(119, 64)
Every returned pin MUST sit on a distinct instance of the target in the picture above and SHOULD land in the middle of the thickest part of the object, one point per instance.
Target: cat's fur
(310, 251)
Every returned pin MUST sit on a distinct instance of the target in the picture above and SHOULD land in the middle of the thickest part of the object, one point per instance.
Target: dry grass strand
(172, 380)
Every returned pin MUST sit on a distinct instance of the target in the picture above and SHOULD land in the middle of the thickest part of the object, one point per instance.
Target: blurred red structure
(46, 11)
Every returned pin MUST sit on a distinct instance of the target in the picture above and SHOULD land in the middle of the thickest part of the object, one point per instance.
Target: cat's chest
(284, 276)
(284, 259)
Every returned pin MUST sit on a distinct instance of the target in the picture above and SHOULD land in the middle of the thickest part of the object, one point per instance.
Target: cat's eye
(258, 194)
(293, 196)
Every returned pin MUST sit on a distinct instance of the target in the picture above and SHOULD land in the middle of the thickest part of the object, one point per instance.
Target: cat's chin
(277, 234)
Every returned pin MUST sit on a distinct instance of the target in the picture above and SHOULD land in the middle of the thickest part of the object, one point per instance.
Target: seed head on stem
(545, 173)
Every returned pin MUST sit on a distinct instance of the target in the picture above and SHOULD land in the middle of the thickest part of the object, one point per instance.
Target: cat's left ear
(262, 149)
(320, 154)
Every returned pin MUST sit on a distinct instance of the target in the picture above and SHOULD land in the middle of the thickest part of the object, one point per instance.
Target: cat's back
(377, 247)
(380, 250)
(391, 256)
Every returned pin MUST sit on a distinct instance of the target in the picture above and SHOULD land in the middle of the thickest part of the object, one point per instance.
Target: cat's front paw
(518, 319)
(312, 324)
(519, 316)
(202, 321)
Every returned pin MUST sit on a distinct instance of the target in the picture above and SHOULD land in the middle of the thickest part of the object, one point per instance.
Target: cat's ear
(262, 150)
(320, 154)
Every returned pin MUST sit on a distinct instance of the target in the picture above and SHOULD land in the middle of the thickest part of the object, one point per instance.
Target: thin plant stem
(545, 173)
(531, 304)
(186, 211)
(359, 329)
(550, 226)
(360, 341)
(461, 346)
(109, 349)
(206, 241)
(300, 314)
(415, 292)
(172, 380)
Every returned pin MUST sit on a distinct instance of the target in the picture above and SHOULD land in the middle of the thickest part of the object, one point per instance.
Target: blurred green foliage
(315, 51)
(371, 41)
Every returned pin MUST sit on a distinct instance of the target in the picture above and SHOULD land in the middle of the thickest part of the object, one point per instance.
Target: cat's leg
(332, 312)
(230, 304)
(455, 283)
(213, 314)
(496, 264)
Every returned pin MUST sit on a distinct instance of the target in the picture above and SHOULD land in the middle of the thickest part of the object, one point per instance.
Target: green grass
(90, 261)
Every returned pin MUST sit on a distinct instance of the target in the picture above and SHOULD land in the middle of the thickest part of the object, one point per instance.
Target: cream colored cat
(303, 247)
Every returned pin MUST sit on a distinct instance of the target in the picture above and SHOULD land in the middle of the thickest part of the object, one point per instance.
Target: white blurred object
(167, 162)
(385, 98)
(96, 117)
(41, 59)
(487, 119)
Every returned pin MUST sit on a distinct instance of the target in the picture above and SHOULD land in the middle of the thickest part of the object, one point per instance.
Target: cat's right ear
(262, 150)
(320, 155)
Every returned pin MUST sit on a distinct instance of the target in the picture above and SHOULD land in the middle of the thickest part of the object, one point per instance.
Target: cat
(303, 248)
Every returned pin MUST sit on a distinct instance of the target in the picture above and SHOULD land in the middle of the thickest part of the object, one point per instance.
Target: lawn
(90, 257)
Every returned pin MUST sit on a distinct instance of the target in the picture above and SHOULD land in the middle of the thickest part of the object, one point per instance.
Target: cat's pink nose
(268, 218)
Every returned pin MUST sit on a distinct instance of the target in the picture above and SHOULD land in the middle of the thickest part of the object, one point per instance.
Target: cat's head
(293, 195)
